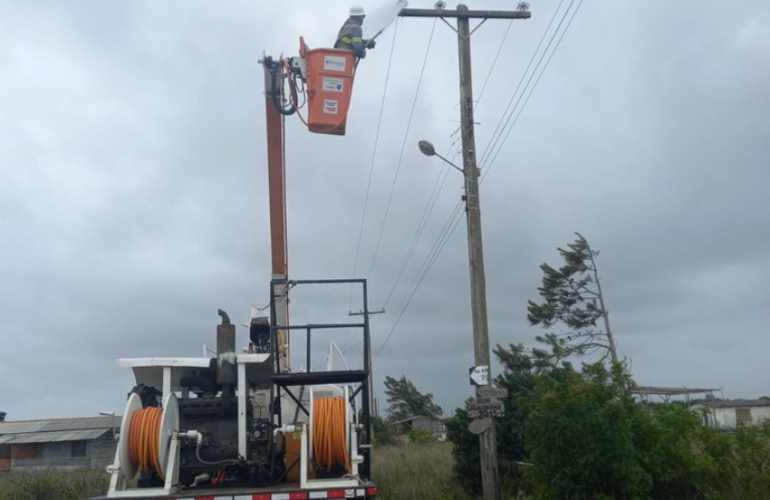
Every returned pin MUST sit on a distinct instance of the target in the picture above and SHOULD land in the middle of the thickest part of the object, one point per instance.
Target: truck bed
(283, 492)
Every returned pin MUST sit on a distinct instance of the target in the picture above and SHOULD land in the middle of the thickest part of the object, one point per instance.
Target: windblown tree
(404, 400)
(573, 302)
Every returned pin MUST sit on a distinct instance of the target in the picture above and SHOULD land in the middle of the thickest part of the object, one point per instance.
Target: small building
(64, 443)
(432, 424)
(731, 413)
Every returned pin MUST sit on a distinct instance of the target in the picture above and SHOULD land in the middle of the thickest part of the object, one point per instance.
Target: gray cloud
(133, 197)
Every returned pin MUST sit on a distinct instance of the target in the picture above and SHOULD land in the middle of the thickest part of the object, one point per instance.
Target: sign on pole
(479, 375)
(486, 407)
(493, 392)
(480, 425)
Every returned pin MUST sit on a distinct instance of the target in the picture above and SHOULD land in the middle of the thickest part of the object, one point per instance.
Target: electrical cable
(329, 443)
(144, 440)
(218, 462)
(430, 260)
(494, 62)
(273, 69)
(438, 185)
(403, 148)
(454, 220)
(532, 90)
(371, 167)
(497, 131)
(429, 206)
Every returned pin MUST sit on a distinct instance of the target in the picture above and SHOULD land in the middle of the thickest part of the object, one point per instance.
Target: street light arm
(449, 162)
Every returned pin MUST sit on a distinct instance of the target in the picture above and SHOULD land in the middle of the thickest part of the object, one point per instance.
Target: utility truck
(242, 425)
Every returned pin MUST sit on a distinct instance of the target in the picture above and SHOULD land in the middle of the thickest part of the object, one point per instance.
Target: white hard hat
(357, 11)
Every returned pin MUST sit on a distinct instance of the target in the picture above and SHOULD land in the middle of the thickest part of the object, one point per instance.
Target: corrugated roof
(671, 391)
(427, 417)
(58, 424)
(51, 437)
(738, 403)
(14, 427)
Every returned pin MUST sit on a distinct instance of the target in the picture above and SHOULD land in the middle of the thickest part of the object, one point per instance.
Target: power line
(438, 185)
(497, 132)
(494, 62)
(403, 148)
(449, 230)
(374, 156)
(428, 261)
(431, 202)
(454, 218)
(438, 246)
(561, 37)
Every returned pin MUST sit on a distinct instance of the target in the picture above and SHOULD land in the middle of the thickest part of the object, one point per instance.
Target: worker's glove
(370, 44)
(363, 55)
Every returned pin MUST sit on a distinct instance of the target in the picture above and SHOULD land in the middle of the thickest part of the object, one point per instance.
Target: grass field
(404, 472)
(53, 485)
(411, 471)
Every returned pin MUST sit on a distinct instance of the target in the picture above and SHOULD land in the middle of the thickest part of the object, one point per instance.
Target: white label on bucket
(332, 84)
(331, 107)
(334, 63)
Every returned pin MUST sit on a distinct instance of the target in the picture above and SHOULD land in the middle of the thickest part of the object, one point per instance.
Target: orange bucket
(329, 87)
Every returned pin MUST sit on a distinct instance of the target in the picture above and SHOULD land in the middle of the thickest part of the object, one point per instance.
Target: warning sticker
(332, 84)
(331, 106)
(334, 63)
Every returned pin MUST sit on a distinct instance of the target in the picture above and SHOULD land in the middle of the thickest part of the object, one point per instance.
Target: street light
(426, 147)
(110, 414)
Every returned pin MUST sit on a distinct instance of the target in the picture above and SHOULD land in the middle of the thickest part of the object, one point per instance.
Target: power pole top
(463, 12)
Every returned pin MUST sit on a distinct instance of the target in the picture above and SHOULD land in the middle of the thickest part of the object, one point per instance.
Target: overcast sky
(133, 198)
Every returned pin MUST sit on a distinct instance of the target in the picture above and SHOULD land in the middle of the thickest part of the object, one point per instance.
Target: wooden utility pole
(487, 439)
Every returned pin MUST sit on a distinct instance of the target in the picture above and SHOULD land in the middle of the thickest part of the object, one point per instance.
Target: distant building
(731, 413)
(64, 443)
(431, 424)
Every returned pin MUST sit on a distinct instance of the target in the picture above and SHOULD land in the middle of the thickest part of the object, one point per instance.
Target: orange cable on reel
(329, 446)
(144, 440)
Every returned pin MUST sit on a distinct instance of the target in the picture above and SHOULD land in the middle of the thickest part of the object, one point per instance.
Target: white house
(732, 413)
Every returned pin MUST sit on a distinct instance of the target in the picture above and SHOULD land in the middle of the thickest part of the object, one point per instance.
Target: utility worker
(351, 35)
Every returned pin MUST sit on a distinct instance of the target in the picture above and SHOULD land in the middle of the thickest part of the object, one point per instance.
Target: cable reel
(329, 436)
(145, 436)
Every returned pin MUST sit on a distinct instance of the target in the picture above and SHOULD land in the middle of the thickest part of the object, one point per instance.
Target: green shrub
(421, 436)
(572, 435)
(580, 435)
(750, 462)
(467, 466)
(382, 432)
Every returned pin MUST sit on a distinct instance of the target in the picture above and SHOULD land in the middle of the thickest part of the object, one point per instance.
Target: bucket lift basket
(330, 74)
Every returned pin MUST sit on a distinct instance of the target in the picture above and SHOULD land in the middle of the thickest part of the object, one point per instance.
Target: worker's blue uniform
(351, 36)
